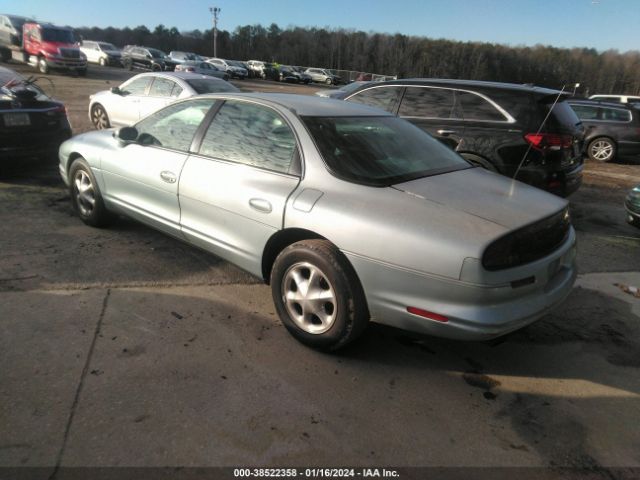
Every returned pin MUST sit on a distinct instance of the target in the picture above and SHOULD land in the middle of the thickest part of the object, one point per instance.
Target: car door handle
(445, 133)
(260, 205)
(168, 177)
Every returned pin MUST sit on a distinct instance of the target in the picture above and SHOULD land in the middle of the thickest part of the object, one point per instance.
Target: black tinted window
(427, 102)
(585, 112)
(174, 126)
(616, 114)
(385, 98)
(474, 107)
(250, 134)
(380, 151)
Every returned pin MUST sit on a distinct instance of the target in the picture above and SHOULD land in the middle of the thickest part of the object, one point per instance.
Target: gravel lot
(124, 347)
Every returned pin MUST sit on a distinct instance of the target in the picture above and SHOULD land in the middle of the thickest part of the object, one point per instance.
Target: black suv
(610, 128)
(502, 127)
(145, 58)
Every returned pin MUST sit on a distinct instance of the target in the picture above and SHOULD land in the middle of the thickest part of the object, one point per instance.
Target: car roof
(306, 105)
(599, 103)
(447, 82)
(179, 75)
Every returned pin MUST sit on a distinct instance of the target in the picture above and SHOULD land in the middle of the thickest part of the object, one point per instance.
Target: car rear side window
(427, 102)
(173, 127)
(161, 87)
(385, 98)
(475, 107)
(616, 114)
(586, 112)
(250, 134)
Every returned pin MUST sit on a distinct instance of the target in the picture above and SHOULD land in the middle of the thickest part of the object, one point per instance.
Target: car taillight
(548, 141)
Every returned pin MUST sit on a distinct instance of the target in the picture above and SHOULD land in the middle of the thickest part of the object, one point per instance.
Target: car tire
(601, 149)
(99, 117)
(479, 162)
(328, 81)
(337, 314)
(102, 62)
(85, 195)
(42, 65)
(82, 72)
(156, 67)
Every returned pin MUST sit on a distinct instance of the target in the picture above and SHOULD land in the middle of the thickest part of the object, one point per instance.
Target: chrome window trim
(508, 118)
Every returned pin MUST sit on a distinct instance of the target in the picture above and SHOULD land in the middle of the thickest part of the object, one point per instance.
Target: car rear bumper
(32, 144)
(473, 311)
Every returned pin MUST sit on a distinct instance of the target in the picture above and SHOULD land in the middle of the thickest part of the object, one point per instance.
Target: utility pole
(215, 11)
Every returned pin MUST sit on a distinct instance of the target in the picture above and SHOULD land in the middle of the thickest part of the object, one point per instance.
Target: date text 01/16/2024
(315, 473)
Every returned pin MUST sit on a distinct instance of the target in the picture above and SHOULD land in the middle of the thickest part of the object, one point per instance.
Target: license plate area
(16, 119)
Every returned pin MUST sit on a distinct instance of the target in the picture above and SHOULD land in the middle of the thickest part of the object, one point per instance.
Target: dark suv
(502, 127)
(144, 58)
(610, 128)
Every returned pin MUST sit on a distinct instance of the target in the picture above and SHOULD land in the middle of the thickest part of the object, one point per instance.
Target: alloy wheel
(99, 117)
(309, 298)
(601, 150)
(85, 194)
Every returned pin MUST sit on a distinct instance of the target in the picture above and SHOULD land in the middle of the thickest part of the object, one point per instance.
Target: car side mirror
(116, 90)
(126, 135)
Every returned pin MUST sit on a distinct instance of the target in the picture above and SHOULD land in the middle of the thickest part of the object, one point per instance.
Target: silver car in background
(349, 213)
(147, 92)
(202, 68)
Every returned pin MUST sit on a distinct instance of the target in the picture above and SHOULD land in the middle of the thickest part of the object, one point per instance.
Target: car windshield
(61, 35)
(380, 151)
(17, 22)
(107, 46)
(208, 85)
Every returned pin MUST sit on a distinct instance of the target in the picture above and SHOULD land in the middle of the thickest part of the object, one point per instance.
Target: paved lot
(124, 347)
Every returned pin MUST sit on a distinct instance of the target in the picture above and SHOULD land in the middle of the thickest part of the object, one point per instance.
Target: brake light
(551, 141)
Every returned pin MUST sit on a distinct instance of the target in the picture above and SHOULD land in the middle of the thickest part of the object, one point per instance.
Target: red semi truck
(47, 47)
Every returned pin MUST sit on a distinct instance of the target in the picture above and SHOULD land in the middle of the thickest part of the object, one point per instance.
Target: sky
(599, 24)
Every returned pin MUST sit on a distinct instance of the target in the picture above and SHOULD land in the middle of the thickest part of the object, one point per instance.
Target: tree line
(401, 55)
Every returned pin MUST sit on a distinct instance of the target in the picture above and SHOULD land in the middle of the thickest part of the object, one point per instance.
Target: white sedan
(146, 93)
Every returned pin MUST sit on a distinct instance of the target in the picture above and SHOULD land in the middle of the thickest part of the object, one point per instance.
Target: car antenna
(544, 121)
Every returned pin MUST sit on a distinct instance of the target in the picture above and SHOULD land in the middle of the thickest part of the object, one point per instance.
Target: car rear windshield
(203, 85)
(380, 151)
(562, 118)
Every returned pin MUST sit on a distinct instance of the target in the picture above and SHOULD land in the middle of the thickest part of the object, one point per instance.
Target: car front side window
(250, 134)
(137, 86)
(173, 127)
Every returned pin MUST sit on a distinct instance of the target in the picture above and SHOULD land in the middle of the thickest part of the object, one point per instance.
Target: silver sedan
(147, 92)
(349, 213)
